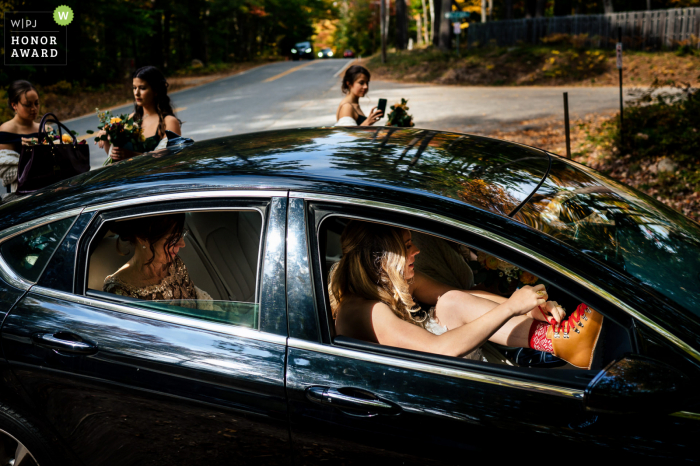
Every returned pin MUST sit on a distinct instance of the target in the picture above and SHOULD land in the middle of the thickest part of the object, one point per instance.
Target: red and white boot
(573, 340)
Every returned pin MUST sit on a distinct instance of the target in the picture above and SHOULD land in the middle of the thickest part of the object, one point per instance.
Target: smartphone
(381, 106)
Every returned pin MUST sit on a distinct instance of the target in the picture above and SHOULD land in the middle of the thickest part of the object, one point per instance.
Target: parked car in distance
(302, 50)
(348, 54)
(325, 53)
(257, 374)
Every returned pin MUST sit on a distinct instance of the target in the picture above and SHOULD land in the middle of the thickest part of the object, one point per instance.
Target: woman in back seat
(154, 272)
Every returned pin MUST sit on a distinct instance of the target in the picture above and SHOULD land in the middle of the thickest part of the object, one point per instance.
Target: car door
(354, 401)
(123, 383)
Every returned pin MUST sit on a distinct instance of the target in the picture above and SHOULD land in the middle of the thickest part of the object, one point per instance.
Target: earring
(143, 247)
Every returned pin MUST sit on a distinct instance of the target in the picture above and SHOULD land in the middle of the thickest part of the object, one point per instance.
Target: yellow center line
(296, 68)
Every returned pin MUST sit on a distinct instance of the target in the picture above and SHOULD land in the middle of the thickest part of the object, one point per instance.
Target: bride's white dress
(346, 121)
(434, 327)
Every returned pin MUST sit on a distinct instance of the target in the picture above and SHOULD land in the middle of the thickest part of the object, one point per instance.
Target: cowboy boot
(575, 339)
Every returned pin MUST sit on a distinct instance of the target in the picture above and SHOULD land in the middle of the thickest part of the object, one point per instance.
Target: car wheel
(21, 443)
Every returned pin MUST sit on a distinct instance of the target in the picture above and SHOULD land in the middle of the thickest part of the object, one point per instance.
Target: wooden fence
(640, 29)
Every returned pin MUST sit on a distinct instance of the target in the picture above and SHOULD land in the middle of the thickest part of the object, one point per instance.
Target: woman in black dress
(23, 99)
(153, 107)
(355, 85)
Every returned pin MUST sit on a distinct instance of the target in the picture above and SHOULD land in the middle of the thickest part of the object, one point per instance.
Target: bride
(153, 107)
(355, 85)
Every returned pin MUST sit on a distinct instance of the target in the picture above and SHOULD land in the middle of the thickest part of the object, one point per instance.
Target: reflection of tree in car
(154, 272)
(634, 237)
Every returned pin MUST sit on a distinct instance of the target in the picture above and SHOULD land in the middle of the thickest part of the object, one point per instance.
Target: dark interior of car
(613, 342)
(221, 254)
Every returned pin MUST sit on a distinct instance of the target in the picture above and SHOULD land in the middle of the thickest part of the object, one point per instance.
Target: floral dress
(177, 285)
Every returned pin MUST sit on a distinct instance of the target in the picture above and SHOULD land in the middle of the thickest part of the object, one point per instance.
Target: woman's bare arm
(173, 124)
(392, 331)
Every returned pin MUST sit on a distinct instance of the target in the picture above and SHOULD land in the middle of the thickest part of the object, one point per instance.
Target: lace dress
(433, 326)
(177, 285)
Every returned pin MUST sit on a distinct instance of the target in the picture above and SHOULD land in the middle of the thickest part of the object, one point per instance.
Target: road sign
(618, 49)
(457, 28)
(456, 15)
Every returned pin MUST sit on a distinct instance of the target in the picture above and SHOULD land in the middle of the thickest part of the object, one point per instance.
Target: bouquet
(399, 115)
(498, 275)
(121, 131)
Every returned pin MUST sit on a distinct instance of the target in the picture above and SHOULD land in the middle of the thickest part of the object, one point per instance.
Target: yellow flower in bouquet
(66, 138)
(121, 131)
(399, 115)
(491, 263)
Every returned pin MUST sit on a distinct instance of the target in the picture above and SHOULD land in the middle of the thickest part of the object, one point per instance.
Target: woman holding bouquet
(23, 98)
(153, 109)
(355, 85)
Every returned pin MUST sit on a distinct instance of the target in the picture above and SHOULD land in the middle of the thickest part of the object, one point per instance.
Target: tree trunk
(401, 25)
(509, 9)
(419, 30)
(608, 6)
(382, 26)
(445, 25)
(425, 23)
(530, 8)
(157, 58)
(433, 18)
(438, 21)
(540, 8)
(166, 37)
(490, 12)
(648, 4)
(483, 11)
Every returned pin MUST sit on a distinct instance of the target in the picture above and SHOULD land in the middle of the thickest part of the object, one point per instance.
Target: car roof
(382, 162)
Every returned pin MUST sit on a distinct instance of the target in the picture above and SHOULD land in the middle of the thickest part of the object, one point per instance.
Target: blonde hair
(372, 267)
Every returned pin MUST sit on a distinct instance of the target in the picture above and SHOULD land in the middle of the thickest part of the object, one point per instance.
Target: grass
(558, 62)
(661, 132)
(658, 148)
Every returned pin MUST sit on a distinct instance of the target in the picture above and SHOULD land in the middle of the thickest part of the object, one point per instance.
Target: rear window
(628, 230)
(28, 253)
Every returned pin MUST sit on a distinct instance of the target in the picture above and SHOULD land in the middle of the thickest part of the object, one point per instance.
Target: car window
(212, 268)
(466, 268)
(29, 252)
(638, 236)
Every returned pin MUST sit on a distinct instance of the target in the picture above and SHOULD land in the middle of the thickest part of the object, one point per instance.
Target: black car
(258, 375)
(302, 50)
(325, 53)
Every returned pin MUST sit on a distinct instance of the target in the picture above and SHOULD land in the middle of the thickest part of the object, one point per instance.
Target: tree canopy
(107, 38)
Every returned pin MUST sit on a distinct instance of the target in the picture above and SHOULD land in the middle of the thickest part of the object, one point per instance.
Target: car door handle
(64, 342)
(351, 400)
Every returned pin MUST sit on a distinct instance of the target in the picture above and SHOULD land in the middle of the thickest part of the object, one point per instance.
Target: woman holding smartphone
(355, 85)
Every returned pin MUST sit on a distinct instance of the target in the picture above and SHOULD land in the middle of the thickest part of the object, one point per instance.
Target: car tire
(22, 443)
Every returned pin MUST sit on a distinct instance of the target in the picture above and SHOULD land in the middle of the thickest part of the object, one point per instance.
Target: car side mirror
(637, 384)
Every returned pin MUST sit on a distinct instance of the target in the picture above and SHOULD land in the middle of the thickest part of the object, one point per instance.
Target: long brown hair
(351, 76)
(372, 267)
(159, 84)
(152, 229)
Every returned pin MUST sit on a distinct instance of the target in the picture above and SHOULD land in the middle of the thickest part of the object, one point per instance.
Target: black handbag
(45, 164)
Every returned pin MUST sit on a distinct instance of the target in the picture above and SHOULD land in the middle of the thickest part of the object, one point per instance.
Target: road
(300, 94)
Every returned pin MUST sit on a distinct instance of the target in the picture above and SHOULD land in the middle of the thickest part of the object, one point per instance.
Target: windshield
(626, 229)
